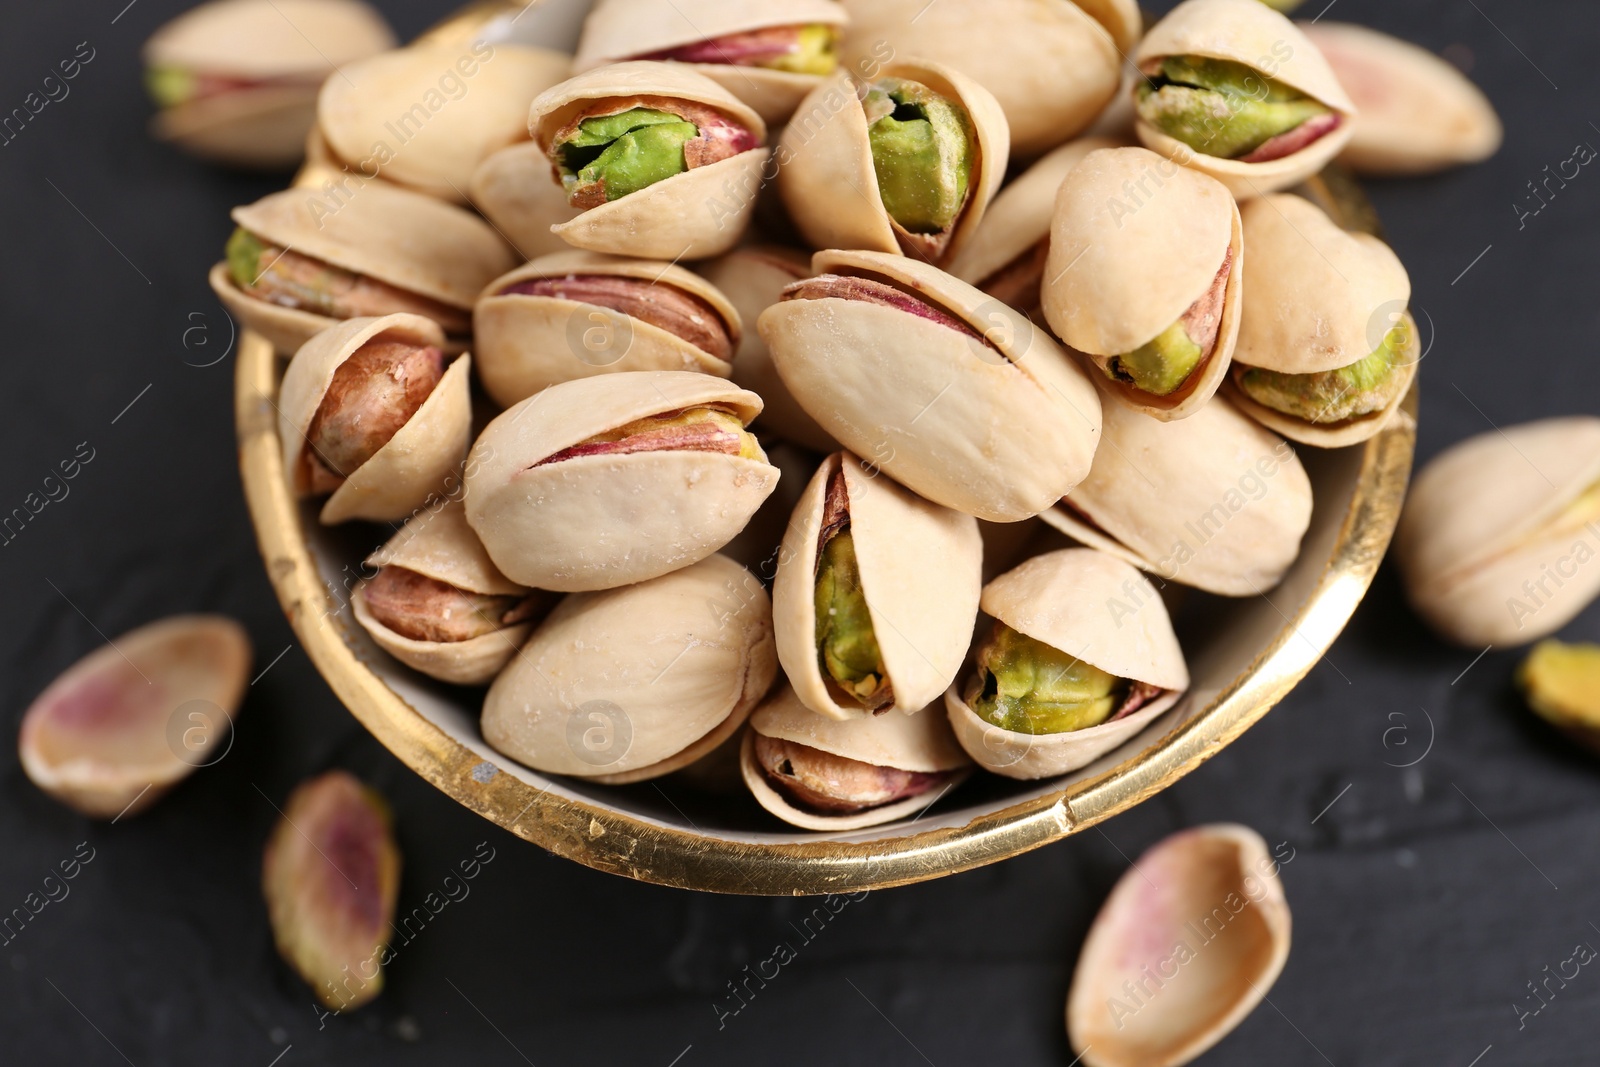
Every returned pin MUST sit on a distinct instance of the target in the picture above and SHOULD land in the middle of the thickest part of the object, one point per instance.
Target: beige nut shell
(1069, 599)
(678, 661)
(527, 343)
(417, 462)
(264, 128)
(269, 38)
(596, 522)
(513, 189)
(1000, 435)
(921, 572)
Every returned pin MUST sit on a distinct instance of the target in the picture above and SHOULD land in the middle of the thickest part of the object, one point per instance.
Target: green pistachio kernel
(846, 644)
(1221, 108)
(817, 53)
(922, 153)
(1028, 687)
(1159, 366)
(169, 86)
(625, 152)
(1361, 388)
(244, 257)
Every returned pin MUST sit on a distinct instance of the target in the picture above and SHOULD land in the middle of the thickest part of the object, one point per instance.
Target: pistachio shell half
(956, 396)
(629, 684)
(1500, 534)
(513, 189)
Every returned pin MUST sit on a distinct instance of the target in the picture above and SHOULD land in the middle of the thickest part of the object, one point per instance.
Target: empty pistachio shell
(875, 594)
(331, 875)
(1188, 943)
(954, 395)
(1214, 501)
(822, 773)
(130, 720)
(1419, 114)
(513, 189)
(1145, 277)
(629, 684)
(403, 468)
(1500, 534)
(1562, 685)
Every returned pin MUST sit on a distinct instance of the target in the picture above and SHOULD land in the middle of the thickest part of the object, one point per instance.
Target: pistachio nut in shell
(768, 53)
(822, 773)
(575, 314)
(664, 163)
(1051, 67)
(331, 875)
(1419, 114)
(601, 482)
(1145, 277)
(427, 115)
(1081, 658)
(131, 719)
(875, 594)
(303, 260)
(951, 393)
(629, 684)
(1215, 501)
(1500, 533)
(236, 80)
(1198, 879)
(351, 392)
(1234, 90)
(1561, 683)
(923, 145)
(513, 189)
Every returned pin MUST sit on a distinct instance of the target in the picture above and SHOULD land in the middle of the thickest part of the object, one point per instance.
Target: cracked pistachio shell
(692, 215)
(1000, 432)
(401, 238)
(1099, 609)
(1248, 32)
(1495, 545)
(921, 570)
(921, 743)
(513, 189)
(1216, 501)
(1121, 270)
(600, 521)
(826, 160)
(437, 543)
(1419, 114)
(1052, 67)
(417, 462)
(618, 29)
(1158, 905)
(526, 343)
(440, 110)
(629, 684)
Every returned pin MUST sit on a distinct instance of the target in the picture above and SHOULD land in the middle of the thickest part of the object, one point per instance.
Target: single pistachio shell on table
(618, 30)
(602, 315)
(840, 775)
(1215, 501)
(236, 81)
(512, 188)
(1419, 114)
(1200, 929)
(134, 717)
(951, 393)
(1145, 277)
(1561, 683)
(1500, 534)
(629, 684)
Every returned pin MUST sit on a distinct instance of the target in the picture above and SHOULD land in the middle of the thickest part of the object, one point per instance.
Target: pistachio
(1562, 685)
(825, 782)
(373, 393)
(680, 313)
(1229, 109)
(1027, 687)
(605, 154)
(846, 643)
(873, 291)
(706, 428)
(808, 49)
(427, 609)
(921, 151)
(1366, 386)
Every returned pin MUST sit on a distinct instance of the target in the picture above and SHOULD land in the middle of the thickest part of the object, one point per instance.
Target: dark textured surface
(1424, 898)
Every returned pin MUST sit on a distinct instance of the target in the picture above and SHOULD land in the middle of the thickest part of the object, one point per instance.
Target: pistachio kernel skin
(826, 782)
(427, 609)
(373, 393)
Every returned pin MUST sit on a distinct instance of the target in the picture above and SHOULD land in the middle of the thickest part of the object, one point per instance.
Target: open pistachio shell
(417, 462)
(629, 684)
(695, 214)
(1135, 242)
(1500, 534)
(600, 521)
(428, 115)
(826, 174)
(918, 743)
(919, 567)
(526, 343)
(622, 29)
(1190, 940)
(513, 189)
(998, 429)
(1418, 115)
(1251, 33)
(1099, 609)
(1216, 501)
